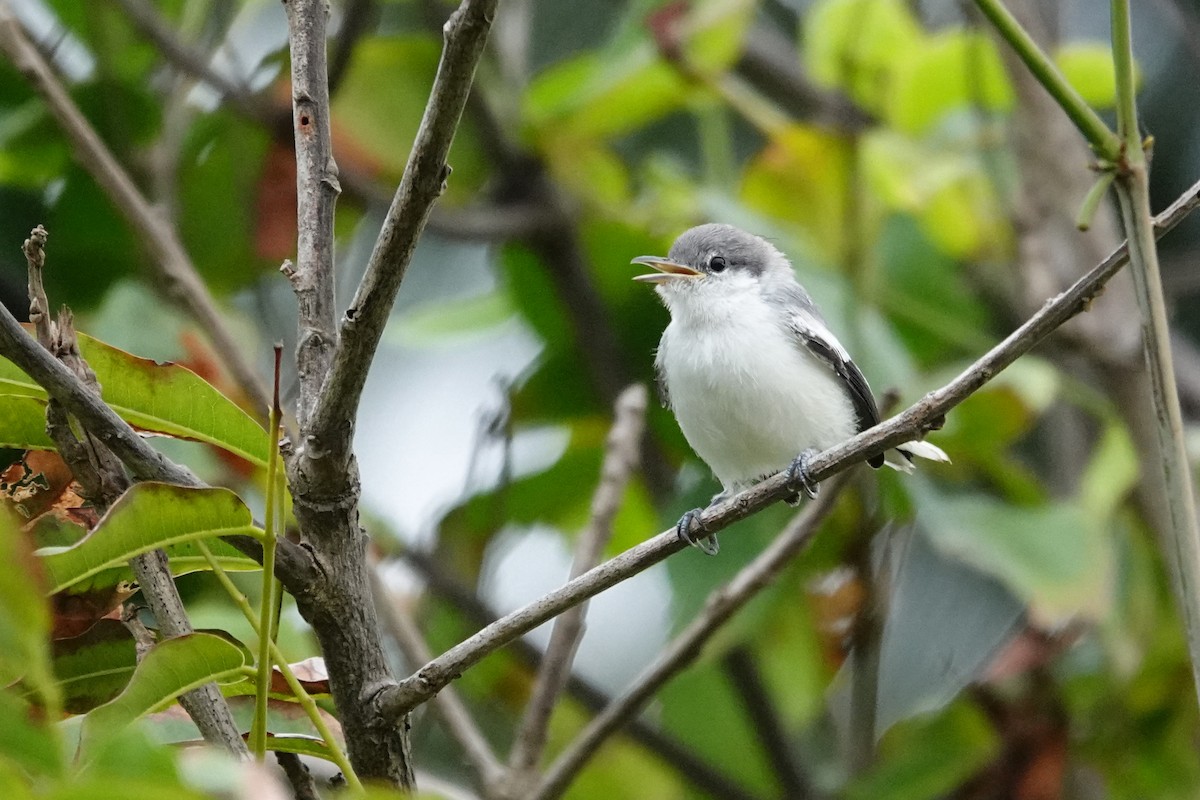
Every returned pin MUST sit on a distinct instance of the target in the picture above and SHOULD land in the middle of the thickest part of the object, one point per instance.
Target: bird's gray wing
(805, 323)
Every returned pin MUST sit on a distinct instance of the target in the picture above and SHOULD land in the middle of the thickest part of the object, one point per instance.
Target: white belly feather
(748, 396)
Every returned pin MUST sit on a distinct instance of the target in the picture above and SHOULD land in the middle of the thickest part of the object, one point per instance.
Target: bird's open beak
(667, 270)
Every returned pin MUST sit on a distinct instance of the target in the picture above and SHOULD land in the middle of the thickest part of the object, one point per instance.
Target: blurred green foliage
(892, 189)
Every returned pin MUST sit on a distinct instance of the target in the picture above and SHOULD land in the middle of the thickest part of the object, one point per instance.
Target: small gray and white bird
(757, 381)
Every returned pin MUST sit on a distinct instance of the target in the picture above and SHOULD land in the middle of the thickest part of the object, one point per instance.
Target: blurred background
(926, 191)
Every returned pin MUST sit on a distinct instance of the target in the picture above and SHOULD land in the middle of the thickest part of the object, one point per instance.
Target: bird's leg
(691, 520)
(799, 476)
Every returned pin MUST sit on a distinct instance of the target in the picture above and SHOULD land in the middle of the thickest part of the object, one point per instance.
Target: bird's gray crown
(740, 250)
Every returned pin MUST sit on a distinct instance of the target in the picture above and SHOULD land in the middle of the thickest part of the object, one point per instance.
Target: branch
(174, 267)
(620, 460)
(293, 563)
(748, 683)
(317, 189)
(926, 414)
(685, 648)
(422, 183)
(1133, 193)
(448, 705)
(686, 764)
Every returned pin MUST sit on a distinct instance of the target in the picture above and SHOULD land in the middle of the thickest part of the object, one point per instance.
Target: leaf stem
(302, 696)
(1106, 144)
(258, 730)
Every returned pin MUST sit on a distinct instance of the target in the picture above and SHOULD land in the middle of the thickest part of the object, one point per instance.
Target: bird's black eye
(716, 264)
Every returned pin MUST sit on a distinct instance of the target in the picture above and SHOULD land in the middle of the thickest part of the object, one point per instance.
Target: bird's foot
(799, 476)
(691, 521)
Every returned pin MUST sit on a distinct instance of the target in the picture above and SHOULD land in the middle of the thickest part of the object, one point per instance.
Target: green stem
(1182, 540)
(258, 730)
(1106, 144)
(302, 696)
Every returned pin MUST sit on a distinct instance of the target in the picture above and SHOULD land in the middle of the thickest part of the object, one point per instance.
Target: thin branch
(620, 461)
(926, 414)
(1133, 193)
(149, 22)
(358, 17)
(317, 189)
(449, 707)
(294, 564)
(748, 682)
(298, 776)
(424, 179)
(689, 766)
(182, 283)
(685, 648)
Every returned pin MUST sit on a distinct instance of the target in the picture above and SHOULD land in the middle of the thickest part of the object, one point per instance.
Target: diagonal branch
(620, 460)
(182, 283)
(685, 648)
(293, 563)
(424, 178)
(926, 414)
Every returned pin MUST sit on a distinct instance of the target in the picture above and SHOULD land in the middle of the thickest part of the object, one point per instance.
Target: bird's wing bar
(817, 339)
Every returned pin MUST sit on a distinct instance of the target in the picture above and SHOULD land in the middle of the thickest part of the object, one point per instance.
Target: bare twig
(317, 190)
(924, 415)
(424, 178)
(174, 267)
(447, 705)
(103, 480)
(620, 460)
(742, 668)
(685, 648)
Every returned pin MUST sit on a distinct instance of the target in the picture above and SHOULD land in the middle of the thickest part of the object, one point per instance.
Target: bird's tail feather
(916, 448)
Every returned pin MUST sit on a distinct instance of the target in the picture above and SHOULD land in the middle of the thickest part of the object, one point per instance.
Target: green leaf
(952, 70)
(300, 744)
(1111, 472)
(93, 668)
(147, 517)
(435, 322)
(168, 670)
(24, 615)
(159, 397)
(1088, 67)
(23, 423)
(26, 741)
(1053, 556)
(859, 45)
(928, 757)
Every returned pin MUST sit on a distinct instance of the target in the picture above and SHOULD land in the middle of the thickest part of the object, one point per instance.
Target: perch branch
(685, 648)
(393, 702)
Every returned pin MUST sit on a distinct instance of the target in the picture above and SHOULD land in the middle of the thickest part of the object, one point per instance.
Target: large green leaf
(160, 397)
(94, 667)
(953, 70)
(147, 517)
(24, 615)
(168, 670)
(23, 422)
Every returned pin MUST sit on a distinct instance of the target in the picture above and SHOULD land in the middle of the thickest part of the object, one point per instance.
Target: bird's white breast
(747, 394)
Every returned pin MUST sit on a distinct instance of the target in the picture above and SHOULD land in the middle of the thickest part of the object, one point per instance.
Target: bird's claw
(683, 529)
(799, 476)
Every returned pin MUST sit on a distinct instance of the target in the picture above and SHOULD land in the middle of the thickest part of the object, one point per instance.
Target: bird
(756, 380)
